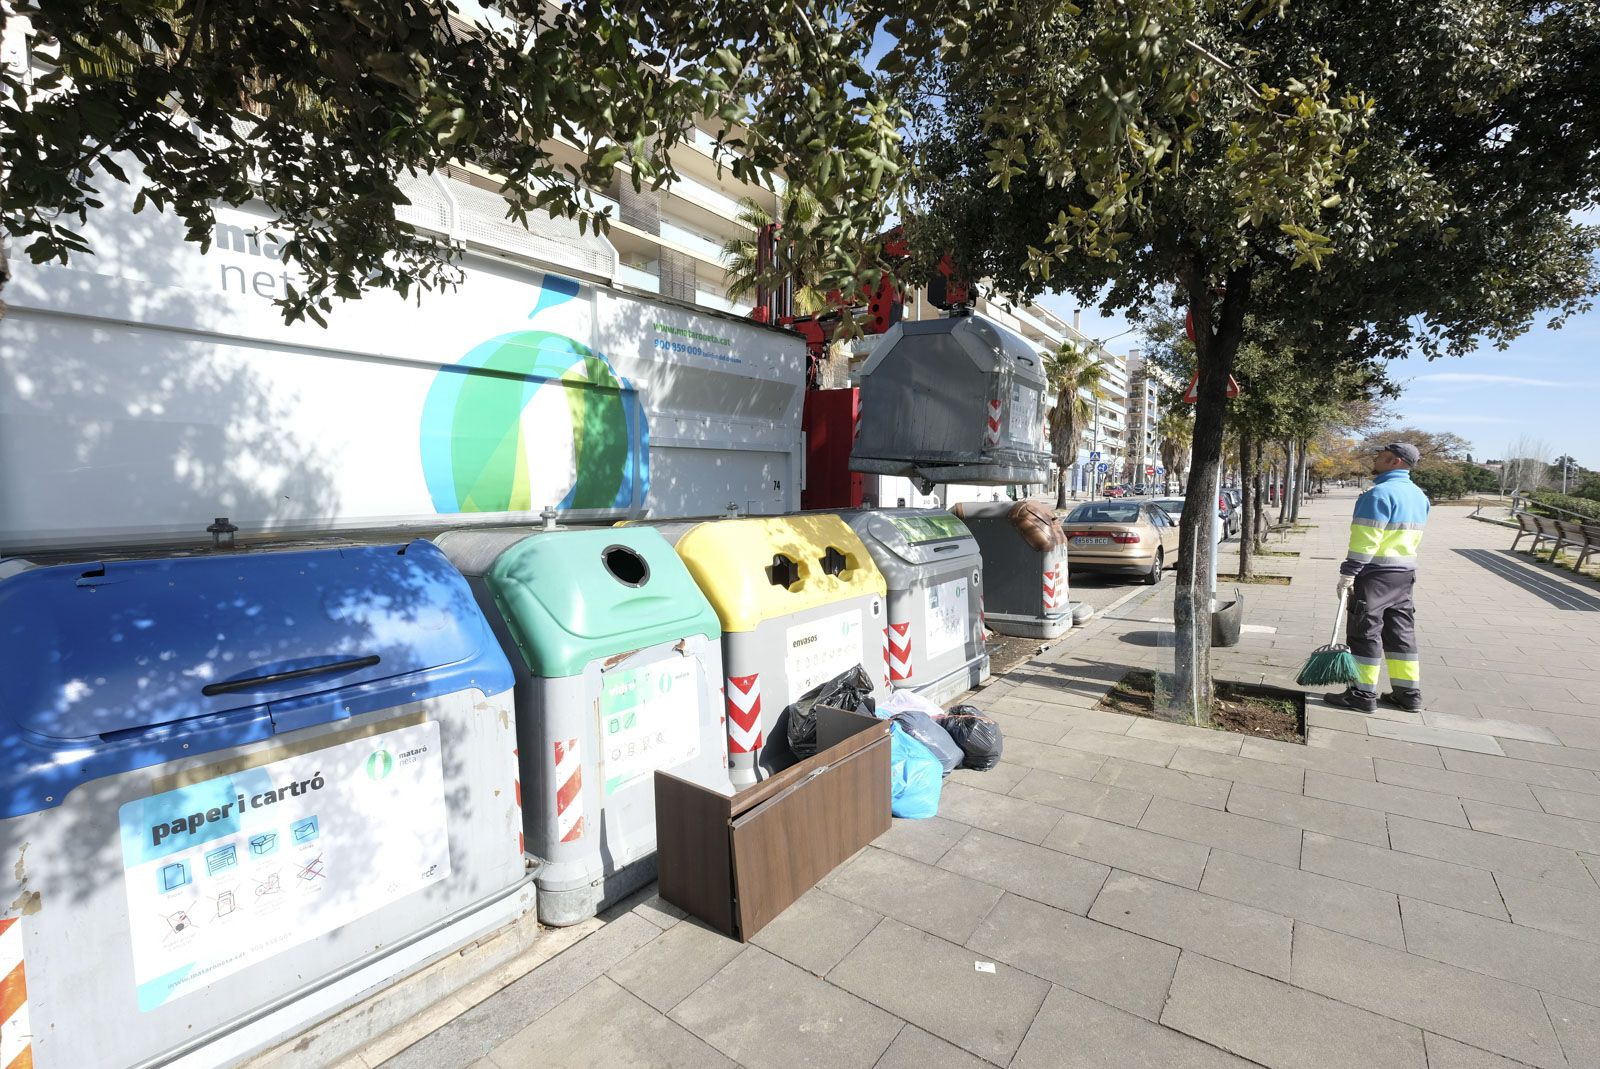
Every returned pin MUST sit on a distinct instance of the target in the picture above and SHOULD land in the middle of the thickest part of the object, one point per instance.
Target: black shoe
(1354, 700)
(1409, 701)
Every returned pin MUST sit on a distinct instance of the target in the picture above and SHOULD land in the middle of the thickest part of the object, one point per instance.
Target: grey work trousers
(1382, 628)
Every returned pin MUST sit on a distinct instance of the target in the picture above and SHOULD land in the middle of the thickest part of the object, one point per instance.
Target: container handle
(251, 683)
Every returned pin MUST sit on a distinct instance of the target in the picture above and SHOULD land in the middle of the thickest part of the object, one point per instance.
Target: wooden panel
(693, 856)
(839, 734)
(789, 842)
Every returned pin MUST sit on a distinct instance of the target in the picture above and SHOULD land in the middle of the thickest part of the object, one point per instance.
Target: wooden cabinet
(737, 862)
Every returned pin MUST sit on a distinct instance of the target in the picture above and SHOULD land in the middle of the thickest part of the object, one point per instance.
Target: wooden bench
(1584, 537)
(1529, 524)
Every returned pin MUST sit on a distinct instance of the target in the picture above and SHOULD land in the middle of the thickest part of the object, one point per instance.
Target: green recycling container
(618, 661)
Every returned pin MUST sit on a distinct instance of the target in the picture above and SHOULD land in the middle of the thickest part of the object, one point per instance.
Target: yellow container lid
(757, 568)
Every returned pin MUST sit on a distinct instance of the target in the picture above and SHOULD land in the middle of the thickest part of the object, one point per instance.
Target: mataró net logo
(380, 764)
(534, 418)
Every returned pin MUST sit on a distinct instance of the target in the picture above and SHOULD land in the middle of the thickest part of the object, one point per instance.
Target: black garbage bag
(977, 735)
(850, 690)
(926, 730)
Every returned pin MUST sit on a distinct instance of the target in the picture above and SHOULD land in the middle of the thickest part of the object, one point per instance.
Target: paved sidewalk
(1401, 892)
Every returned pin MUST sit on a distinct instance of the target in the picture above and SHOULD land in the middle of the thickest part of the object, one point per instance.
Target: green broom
(1331, 665)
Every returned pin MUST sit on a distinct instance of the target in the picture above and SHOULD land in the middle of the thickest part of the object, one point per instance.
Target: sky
(1545, 386)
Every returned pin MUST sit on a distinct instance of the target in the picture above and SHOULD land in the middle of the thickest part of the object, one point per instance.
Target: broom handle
(1338, 619)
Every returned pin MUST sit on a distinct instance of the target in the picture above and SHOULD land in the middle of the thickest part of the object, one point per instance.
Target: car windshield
(1173, 505)
(1104, 512)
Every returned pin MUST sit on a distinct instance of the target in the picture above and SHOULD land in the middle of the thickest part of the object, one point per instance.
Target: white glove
(1344, 586)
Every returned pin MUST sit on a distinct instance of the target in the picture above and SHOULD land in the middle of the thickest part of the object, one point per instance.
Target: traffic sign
(1094, 454)
(1102, 468)
(1190, 396)
(1161, 471)
(1150, 469)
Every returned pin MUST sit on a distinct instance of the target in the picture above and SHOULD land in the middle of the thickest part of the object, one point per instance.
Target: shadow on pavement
(1534, 579)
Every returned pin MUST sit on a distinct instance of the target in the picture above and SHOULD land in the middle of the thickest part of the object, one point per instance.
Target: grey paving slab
(1238, 769)
(1116, 804)
(1567, 756)
(664, 971)
(1458, 784)
(1444, 1053)
(605, 1025)
(1553, 907)
(1000, 779)
(482, 1028)
(765, 1013)
(1486, 850)
(1451, 884)
(1521, 955)
(1088, 719)
(1263, 839)
(1568, 803)
(1021, 727)
(1016, 817)
(1499, 728)
(1052, 758)
(1578, 1027)
(817, 930)
(1131, 849)
(1284, 1027)
(915, 1049)
(659, 912)
(1339, 905)
(1312, 813)
(1386, 798)
(1183, 786)
(1219, 928)
(1462, 1004)
(934, 985)
(1368, 746)
(1035, 872)
(1187, 735)
(1444, 738)
(1544, 828)
(1073, 1031)
(925, 897)
(1320, 716)
(1126, 747)
(1531, 772)
(1115, 966)
(1297, 756)
(921, 840)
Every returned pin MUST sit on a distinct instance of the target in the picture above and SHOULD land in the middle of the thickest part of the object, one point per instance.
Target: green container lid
(572, 597)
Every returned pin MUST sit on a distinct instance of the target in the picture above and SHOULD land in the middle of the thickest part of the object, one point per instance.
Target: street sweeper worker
(1379, 576)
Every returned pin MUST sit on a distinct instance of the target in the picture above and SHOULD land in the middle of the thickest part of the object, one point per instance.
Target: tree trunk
(1263, 480)
(1301, 479)
(1217, 341)
(1247, 507)
(1283, 486)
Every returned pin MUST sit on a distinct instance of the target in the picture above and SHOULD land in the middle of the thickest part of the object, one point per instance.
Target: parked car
(1115, 491)
(1235, 500)
(1121, 537)
(1173, 506)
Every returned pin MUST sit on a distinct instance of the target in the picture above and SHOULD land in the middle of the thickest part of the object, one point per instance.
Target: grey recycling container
(955, 400)
(934, 573)
(243, 791)
(618, 659)
(1025, 590)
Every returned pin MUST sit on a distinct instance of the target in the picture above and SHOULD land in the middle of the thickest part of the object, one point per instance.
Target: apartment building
(1146, 381)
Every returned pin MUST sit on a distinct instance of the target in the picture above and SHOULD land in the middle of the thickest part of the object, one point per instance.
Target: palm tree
(800, 256)
(1175, 430)
(1075, 377)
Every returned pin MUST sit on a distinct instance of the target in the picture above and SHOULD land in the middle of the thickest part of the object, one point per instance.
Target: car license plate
(1090, 540)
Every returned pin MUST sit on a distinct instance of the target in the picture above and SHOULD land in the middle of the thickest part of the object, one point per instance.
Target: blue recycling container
(242, 791)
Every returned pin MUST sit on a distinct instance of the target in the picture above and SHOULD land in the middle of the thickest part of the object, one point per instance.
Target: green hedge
(1581, 506)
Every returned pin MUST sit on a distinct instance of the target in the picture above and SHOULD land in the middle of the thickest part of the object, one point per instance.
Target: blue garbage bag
(915, 776)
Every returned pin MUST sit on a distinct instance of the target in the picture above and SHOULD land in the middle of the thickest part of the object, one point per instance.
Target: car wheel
(1153, 576)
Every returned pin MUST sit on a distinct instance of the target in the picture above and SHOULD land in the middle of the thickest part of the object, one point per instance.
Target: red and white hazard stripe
(887, 679)
(16, 1035)
(899, 651)
(569, 791)
(744, 714)
(516, 786)
(991, 434)
(1050, 589)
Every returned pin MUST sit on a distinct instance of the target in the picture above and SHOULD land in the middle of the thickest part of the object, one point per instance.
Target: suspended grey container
(957, 400)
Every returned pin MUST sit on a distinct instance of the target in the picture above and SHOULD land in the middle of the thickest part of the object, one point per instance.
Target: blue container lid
(127, 664)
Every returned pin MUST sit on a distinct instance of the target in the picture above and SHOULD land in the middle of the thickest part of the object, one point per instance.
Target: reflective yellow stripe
(1368, 673)
(1399, 544)
(1407, 670)
(1364, 539)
